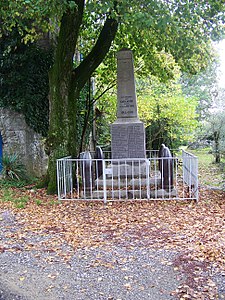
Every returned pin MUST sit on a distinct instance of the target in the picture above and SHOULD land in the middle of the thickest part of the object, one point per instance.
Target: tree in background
(214, 130)
(170, 117)
(149, 28)
(202, 86)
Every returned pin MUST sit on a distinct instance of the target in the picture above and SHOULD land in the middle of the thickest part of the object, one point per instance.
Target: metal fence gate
(153, 178)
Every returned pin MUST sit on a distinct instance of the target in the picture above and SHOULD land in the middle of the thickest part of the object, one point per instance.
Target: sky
(221, 50)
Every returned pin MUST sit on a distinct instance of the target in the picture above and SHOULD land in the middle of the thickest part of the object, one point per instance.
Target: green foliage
(12, 168)
(38, 202)
(84, 116)
(178, 28)
(8, 195)
(8, 183)
(203, 87)
(169, 116)
(21, 201)
(211, 173)
(214, 129)
(24, 80)
(31, 17)
(105, 114)
(152, 28)
(54, 202)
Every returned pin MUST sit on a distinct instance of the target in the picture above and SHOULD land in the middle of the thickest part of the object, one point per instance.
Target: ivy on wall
(24, 80)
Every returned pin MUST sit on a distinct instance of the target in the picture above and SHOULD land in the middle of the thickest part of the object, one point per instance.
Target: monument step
(127, 182)
(132, 169)
(134, 194)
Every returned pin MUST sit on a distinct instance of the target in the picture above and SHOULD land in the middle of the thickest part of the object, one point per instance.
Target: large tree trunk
(66, 84)
(62, 106)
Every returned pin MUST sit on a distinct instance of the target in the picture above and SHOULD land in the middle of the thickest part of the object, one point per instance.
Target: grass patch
(8, 195)
(38, 202)
(210, 173)
(11, 183)
(54, 202)
(4, 183)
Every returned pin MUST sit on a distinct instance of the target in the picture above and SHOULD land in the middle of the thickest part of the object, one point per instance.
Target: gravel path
(97, 274)
(91, 274)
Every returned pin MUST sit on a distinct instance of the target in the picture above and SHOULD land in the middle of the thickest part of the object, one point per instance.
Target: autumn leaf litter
(192, 235)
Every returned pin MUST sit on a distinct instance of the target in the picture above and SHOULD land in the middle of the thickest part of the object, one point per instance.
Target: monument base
(128, 138)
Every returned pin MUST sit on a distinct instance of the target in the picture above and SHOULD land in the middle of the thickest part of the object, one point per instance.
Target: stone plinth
(128, 133)
(128, 139)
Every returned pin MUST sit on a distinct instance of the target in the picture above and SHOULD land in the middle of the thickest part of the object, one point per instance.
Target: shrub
(12, 168)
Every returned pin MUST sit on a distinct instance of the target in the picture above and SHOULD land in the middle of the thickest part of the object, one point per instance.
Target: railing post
(148, 178)
(64, 177)
(58, 179)
(190, 173)
(71, 176)
(104, 181)
(197, 180)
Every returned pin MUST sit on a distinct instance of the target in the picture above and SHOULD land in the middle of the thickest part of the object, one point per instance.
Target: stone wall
(19, 138)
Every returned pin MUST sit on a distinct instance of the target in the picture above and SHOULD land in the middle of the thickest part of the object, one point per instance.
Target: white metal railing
(190, 173)
(64, 175)
(152, 178)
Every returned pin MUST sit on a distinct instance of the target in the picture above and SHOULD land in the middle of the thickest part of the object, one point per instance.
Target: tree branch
(98, 52)
(94, 100)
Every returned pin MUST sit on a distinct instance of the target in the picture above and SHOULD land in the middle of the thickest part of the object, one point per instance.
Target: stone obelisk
(127, 132)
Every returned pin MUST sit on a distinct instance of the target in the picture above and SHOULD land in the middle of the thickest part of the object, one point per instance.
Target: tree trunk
(88, 110)
(217, 143)
(66, 84)
(62, 123)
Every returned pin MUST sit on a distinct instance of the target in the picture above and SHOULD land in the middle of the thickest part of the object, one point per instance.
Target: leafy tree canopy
(181, 28)
(204, 87)
(169, 116)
